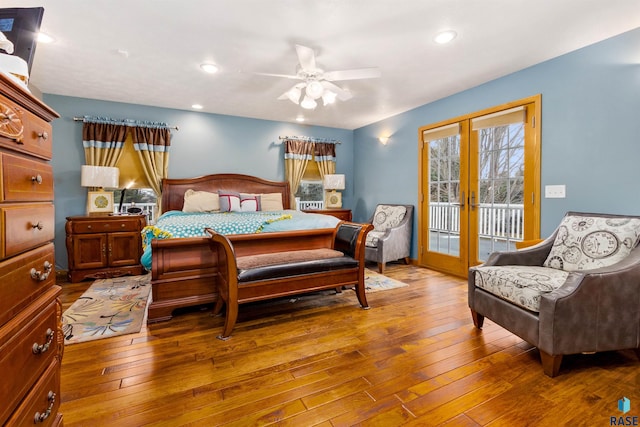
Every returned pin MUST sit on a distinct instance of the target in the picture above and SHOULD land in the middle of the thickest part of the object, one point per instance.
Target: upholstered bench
(265, 276)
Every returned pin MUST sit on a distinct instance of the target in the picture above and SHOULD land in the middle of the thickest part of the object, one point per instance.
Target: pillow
(249, 203)
(200, 201)
(589, 242)
(268, 201)
(229, 201)
(386, 217)
(271, 201)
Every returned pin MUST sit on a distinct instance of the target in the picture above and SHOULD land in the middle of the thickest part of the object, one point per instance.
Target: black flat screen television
(21, 26)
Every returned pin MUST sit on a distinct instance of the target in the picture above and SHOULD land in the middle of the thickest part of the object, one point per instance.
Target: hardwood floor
(414, 358)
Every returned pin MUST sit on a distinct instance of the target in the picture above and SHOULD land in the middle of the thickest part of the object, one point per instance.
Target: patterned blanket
(179, 224)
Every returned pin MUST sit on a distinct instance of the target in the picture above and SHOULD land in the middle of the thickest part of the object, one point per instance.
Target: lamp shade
(99, 176)
(333, 182)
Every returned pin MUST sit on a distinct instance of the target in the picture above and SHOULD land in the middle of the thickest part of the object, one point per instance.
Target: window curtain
(325, 157)
(103, 142)
(297, 154)
(152, 145)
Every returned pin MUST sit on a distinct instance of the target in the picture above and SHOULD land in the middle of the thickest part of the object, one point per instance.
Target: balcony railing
(309, 204)
(498, 220)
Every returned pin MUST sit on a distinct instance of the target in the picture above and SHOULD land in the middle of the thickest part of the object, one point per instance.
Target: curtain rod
(82, 119)
(310, 139)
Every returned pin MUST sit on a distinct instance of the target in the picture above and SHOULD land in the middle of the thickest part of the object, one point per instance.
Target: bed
(183, 270)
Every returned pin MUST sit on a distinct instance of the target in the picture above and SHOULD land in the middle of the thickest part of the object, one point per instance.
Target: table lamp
(331, 183)
(99, 202)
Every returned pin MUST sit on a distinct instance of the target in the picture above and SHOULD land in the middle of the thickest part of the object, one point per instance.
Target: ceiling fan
(317, 83)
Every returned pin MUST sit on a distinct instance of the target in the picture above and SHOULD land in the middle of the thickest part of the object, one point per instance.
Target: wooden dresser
(104, 246)
(31, 341)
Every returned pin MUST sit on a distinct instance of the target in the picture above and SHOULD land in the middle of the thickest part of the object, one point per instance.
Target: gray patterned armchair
(576, 292)
(390, 239)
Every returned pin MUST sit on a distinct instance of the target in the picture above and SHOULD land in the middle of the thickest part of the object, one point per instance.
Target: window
(310, 194)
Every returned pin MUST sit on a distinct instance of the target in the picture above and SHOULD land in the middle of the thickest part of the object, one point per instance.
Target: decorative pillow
(200, 201)
(271, 202)
(589, 242)
(386, 217)
(229, 201)
(249, 203)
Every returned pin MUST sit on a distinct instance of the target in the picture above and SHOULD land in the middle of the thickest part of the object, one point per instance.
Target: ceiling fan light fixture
(328, 97)
(314, 89)
(308, 103)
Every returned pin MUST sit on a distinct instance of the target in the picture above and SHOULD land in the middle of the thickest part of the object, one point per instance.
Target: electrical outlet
(555, 191)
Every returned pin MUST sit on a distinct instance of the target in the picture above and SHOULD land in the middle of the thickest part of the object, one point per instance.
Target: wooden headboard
(173, 189)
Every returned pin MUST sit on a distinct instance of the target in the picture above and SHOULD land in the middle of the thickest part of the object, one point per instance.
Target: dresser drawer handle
(37, 179)
(43, 135)
(41, 348)
(40, 417)
(42, 275)
(37, 225)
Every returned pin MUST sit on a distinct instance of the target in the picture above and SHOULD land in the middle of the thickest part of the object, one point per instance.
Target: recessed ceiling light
(45, 38)
(197, 107)
(299, 119)
(445, 36)
(209, 68)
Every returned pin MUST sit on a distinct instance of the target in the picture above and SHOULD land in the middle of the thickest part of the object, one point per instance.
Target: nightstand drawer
(104, 226)
(25, 180)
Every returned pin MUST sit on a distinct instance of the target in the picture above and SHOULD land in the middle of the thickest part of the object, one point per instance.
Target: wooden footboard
(184, 270)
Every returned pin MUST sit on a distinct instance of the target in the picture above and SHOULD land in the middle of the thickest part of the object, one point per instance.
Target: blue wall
(590, 133)
(590, 138)
(204, 144)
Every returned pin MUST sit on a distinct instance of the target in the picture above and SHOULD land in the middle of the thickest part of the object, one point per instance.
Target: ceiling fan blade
(286, 76)
(355, 74)
(342, 94)
(306, 57)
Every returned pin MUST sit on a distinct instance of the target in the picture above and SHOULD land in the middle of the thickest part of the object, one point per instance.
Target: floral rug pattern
(374, 282)
(110, 307)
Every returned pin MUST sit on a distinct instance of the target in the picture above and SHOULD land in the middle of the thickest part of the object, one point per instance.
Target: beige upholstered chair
(390, 239)
(576, 292)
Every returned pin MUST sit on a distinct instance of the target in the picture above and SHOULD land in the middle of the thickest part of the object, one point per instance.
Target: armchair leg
(478, 319)
(407, 260)
(381, 267)
(550, 364)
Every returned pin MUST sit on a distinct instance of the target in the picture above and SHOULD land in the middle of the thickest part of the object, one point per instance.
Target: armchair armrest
(594, 310)
(532, 255)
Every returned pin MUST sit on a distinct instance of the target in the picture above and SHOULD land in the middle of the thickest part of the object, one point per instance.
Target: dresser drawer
(109, 225)
(26, 226)
(35, 137)
(23, 278)
(24, 353)
(25, 180)
(42, 402)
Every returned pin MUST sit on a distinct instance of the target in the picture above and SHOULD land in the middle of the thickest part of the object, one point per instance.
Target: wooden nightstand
(104, 246)
(343, 214)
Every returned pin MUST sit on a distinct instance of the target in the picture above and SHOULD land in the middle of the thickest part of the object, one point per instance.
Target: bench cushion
(296, 268)
(263, 260)
(519, 284)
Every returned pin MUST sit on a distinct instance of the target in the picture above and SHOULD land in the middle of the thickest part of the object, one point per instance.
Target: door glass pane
(501, 186)
(444, 195)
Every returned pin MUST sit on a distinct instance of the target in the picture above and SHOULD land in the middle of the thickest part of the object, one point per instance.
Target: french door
(480, 185)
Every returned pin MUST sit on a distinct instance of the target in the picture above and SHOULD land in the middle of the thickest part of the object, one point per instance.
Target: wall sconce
(332, 183)
(101, 177)
(384, 140)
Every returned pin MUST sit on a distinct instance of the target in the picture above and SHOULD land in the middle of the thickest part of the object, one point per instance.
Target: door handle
(462, 202)
(473, 203)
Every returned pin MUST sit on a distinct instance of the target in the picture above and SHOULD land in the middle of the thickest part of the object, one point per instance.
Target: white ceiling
(167, 40)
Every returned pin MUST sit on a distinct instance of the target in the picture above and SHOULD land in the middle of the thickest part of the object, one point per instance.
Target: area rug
(374, 281)
(110, 307)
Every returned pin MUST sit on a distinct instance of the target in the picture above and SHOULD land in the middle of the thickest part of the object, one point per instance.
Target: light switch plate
(555, 191)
